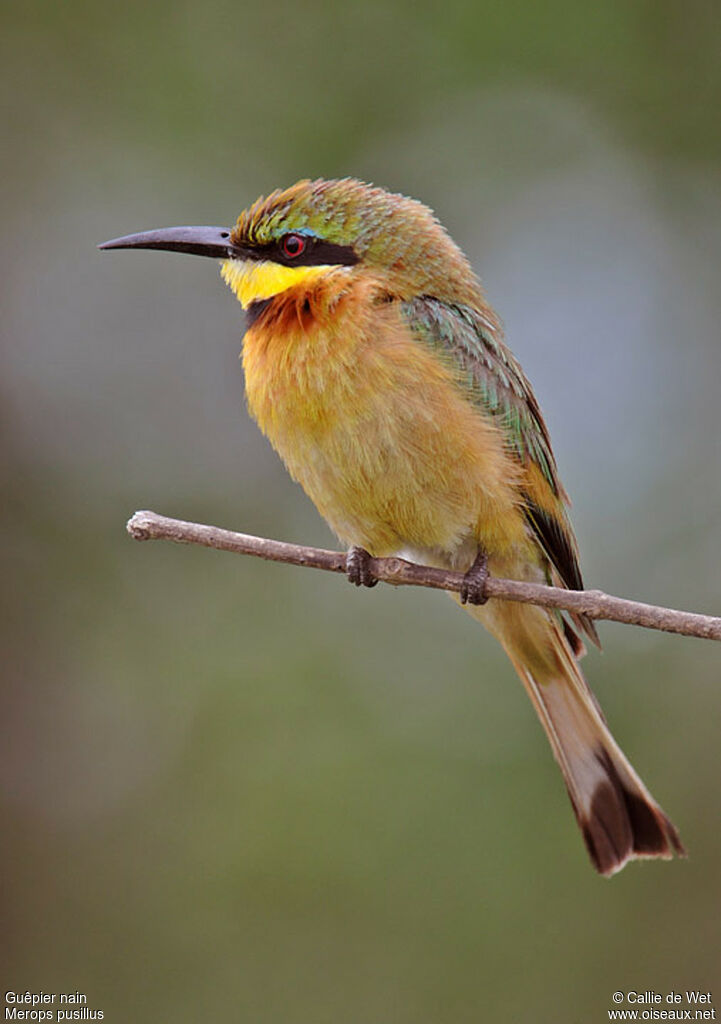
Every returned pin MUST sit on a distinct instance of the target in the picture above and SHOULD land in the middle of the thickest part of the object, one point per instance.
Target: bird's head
(297, 235)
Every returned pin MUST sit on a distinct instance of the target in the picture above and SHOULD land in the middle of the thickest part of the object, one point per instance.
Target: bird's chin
(258, 280)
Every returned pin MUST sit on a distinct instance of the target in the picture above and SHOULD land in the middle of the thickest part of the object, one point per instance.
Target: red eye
(293, 245)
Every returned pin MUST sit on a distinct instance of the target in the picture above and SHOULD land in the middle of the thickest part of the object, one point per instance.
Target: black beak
(198, 241)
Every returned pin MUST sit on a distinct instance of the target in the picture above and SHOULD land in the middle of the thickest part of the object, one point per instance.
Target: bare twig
(398, 572)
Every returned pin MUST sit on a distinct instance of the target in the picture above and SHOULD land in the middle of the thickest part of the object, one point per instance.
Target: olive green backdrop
(245, 792)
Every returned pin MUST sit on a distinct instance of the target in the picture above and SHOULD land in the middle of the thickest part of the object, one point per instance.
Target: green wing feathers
(470, 341)
(493, 377)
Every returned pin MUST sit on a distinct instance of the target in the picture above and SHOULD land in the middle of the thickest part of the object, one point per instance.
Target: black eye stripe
(316, 253)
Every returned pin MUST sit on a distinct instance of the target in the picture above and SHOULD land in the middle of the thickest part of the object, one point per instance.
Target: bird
(379, 372)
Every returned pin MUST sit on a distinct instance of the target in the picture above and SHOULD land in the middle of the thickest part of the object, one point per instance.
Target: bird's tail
(617, 815)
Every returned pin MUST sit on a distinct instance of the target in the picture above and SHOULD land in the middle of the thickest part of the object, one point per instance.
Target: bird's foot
(358, 567)
(473, 588)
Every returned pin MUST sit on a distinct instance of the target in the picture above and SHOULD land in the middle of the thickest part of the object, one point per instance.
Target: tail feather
(618, 817)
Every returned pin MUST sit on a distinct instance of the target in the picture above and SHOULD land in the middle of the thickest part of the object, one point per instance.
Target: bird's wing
(494, 380)
(493, 377)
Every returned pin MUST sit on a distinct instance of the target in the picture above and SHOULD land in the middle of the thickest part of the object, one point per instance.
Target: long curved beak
(198, 241)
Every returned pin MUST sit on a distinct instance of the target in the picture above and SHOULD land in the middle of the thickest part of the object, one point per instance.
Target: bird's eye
(293, 245)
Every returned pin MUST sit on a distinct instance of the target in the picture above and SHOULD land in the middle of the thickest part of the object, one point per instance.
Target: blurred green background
(238, 791)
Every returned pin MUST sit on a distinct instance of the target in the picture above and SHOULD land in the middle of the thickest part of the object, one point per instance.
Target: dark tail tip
(625, 824)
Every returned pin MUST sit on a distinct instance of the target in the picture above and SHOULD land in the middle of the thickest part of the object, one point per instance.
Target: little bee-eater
(379, 373)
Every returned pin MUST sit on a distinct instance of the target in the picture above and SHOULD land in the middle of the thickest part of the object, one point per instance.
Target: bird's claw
(358, 567)
(473, 588)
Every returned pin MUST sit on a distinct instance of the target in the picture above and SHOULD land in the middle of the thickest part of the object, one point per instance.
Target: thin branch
(398, 572)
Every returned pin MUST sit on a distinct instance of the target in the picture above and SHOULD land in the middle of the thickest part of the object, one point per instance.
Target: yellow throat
(256, 280)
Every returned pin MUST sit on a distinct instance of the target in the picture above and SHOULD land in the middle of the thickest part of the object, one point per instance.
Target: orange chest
(373, 425)
(350, 385)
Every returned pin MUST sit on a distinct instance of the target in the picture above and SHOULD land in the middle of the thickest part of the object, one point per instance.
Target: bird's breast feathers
(373, 425)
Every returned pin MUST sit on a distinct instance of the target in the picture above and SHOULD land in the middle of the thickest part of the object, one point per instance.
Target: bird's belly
(383, 441)
(377, 491)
